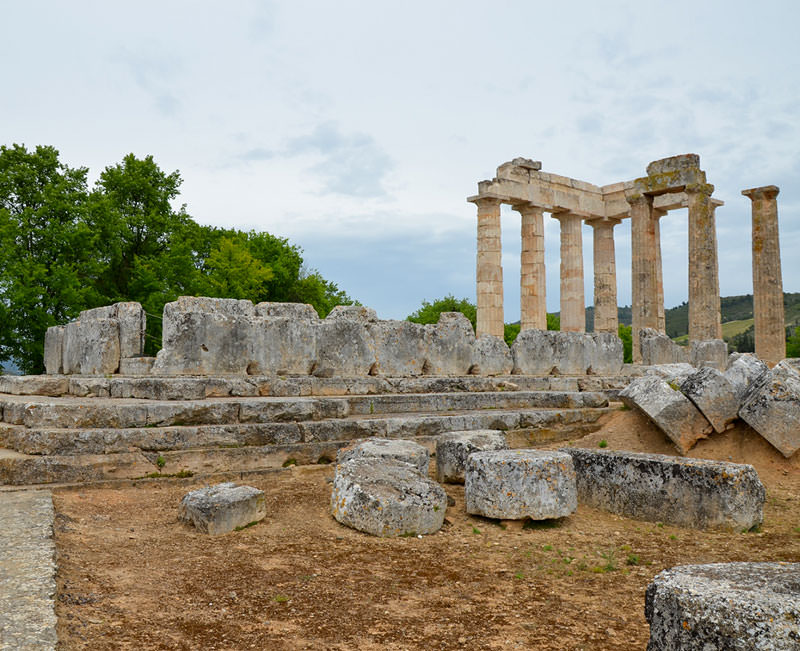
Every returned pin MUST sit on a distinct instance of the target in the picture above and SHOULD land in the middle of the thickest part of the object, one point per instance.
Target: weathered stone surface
(658, 349)
(453, 449)
(450, 345)
(693, 493)
(604, 354)
(222, 508)
(132, 328)
(517, 484)
(136, 365)
(713, 353)
(545, 352)
(671, 411)
(91, 347)
(725, 606)
(283, 345)
(54, 350)
(674, 164)
(742, 370)
(772, 408)
(714, 395)
(676, 373)
(34, 385)
(297, 311)
(400, 348)
(491, 356)
(344, 348)
(386, 499)
(408, 452)
(357, 313)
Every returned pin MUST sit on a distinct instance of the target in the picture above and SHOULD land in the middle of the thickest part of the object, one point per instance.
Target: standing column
(644, 277)
(573, 305)
(662, 321)
(767, 282)
(533, 309)
(605, 275)
(489, 269)
(704, 311)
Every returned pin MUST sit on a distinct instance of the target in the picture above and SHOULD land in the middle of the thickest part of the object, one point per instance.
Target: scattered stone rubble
(725, 606)
(222, 508)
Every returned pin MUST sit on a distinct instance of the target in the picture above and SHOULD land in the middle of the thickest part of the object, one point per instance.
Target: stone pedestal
(605, 275)
(644, 275)
(704, 309)
(767, 282)
(573, 305)
(489, 269)
(533, 310)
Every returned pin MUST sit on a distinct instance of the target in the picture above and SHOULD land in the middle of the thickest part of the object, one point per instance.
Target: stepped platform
(58, 429)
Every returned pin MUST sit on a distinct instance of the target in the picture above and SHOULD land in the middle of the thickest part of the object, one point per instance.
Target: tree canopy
(64, 248)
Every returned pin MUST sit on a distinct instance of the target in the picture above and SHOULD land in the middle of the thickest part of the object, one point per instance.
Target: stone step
(26, 469)
(114, 440)
(199, 388)
(82, 413)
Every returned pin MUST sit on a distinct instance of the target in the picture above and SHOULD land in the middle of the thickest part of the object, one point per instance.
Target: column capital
(764, 192)
(526, 208)
(565, 215)
(633, 195)
(485, 200)
(704, 188)
(596, 222)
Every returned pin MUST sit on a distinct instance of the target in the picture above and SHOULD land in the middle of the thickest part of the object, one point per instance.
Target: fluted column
(573, 305)
(489, 269)
(768, 312)
(605, 275)
(662, 321)
(704, 309)
(644, 276)
(533, 309)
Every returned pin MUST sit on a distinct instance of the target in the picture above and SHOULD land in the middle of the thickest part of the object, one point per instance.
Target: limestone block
(518, 484)
(714, 395)
(283, 345)
(772, 408)
(693, 493)
(453, 449)
(386, 499)
(725, 606)
(54, 350)
(450, 344)
(206, 305)
(71, 349)
(299, 311)
(491, 356)
(674, 164)
(408, 452)
(98, 346)
(344, 347)
(676, 373)
(545, 352)
(659, 349)
(742, 370)
(136, 365)
(132, 328)
(604, 353)
(400, 348)
(671, 411)
(222, 508)
(713, 353)
(357, 313)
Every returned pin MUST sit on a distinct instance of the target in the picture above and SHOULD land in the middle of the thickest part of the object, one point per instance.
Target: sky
(358, 128)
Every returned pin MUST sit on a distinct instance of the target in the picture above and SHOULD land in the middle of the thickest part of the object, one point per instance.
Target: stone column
(533, 310)
(662, 321)
(704, 310)
(767, 282)
(489, 269)
(644, 276)
(605, 275)
(573, 305)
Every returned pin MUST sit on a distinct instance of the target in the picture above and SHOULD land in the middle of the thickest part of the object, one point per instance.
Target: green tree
(624, 333)
(429, 311)
(793, 344)
(233, 272)
(47, 257)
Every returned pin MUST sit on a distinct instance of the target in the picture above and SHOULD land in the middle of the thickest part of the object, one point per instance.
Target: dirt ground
(132, 577)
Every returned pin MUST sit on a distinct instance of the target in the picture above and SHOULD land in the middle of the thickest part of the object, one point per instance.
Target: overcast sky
(357, 129)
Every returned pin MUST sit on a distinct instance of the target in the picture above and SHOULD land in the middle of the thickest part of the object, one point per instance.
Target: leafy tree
(232, 271)
(793, 344)
(624, 333)
(553, 322)
(429, 312)
(47, 257)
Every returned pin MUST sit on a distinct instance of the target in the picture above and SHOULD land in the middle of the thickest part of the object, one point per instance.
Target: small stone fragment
(222, 508)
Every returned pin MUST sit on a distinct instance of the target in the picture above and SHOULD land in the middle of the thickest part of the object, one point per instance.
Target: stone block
(772, 408)
(658, 349)
(742, 370)
(344, 347)
(400, 348)
(491, 356)
(298, 311)
(450, 345)
(206, 305)
(357, 313)
(54, 350)
(97, 343)
(692, 493)
(453, 449)
(408, 452)
(604, 354)
(545, 352)
(132, 328)
(714, 395)
(222, 508)
(71, 349)
(386, 499)
(283, 345)
(518, 484)
(674, 164)
(136, 365)
(671, 411)
(676, 373)
(725, 606)
(713, 353)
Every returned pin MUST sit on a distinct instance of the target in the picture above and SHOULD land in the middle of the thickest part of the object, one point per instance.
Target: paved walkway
(27, 571)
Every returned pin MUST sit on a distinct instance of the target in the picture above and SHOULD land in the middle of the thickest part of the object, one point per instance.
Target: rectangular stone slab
(692, 493)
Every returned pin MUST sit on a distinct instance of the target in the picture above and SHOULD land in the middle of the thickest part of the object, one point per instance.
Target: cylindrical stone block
(453, 449)
(605, 276)
(489, 269)
(704, 305)
(533, 309)
(573, 305)
(768, 311)
(409, 452)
